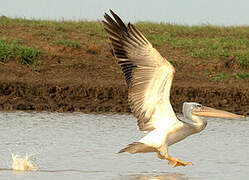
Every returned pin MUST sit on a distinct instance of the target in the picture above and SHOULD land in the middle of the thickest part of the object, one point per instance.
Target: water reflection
(166, 176)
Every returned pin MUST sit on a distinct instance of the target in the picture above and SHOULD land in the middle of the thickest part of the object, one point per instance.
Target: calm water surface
(82, 146)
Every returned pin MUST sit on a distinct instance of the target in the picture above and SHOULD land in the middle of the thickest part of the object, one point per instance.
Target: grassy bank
(30, 41)
(69, 66)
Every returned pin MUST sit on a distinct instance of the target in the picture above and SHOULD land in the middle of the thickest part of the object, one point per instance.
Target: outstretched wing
(148, 75)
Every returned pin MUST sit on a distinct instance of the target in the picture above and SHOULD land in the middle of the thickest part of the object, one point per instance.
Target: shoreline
(78, 98)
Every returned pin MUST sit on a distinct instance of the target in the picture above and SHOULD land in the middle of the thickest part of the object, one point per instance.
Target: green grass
(207, 48)
(87, 27)
(224, 76)
(11, 40)
(67, 42)
(201, 42)
(243, 58)
(13, 50)
(206, 42)
(242, 75)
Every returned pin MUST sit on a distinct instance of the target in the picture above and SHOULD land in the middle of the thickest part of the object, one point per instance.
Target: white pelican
(149, 77)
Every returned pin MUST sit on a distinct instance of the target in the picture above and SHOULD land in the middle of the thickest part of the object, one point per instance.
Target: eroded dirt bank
(64, 98)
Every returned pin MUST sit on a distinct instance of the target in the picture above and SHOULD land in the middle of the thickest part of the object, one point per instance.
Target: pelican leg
(176, 162)
(159, 155)
(173, 161)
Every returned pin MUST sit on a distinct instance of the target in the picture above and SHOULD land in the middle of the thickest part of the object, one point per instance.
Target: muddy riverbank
(64, 98)
(69, 66)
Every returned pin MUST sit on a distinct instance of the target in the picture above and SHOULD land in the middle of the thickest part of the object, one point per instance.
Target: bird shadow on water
(142, 176)
(162, 176)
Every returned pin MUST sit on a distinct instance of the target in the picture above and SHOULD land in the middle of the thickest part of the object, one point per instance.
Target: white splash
(24, 164)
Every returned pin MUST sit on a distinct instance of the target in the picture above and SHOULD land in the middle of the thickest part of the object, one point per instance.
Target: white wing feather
(148, 75)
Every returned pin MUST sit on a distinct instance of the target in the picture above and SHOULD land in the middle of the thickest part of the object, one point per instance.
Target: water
(82, 146)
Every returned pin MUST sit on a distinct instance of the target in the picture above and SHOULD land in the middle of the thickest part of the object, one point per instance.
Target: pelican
(149, 77)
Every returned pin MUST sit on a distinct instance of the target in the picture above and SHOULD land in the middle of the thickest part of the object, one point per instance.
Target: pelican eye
(199, 105)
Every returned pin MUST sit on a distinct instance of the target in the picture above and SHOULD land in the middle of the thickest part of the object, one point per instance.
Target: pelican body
(149, 77)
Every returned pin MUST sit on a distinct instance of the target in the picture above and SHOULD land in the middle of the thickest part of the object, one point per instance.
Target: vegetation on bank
(225, 76)
(13, 50)
(206, 42)
(30, 41)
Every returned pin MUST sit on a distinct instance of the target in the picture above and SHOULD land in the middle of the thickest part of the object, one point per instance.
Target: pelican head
(192, 109)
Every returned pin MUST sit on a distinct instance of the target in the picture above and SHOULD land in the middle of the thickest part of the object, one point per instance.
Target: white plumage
(149, 77)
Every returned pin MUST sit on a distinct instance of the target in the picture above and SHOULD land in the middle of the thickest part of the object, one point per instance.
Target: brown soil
(87, 79)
